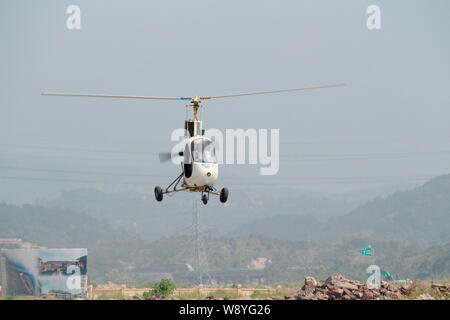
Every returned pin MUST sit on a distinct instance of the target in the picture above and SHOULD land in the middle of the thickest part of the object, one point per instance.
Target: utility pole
(201, 261)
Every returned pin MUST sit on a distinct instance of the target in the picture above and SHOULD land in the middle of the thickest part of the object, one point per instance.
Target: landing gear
(205, 190)
(158, 193)
(205, 199)
(224, 195)
(210, 189)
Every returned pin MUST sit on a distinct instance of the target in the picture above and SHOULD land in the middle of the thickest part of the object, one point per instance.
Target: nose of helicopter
(203, 174)
(208, 178)
(209, 173)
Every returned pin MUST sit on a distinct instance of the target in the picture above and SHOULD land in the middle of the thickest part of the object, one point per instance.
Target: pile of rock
(337, 287)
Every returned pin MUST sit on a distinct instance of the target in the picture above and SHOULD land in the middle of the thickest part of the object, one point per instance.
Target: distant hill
(405, 221)
(284, 227)
(433, 263)
(52, 227)
(420, 215)
(141, 214)
(125, 258)
(363, 195)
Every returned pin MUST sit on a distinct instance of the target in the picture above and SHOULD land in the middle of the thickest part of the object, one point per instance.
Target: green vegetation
(419, 289)
(280, 292)
(432, 263)
(163, 288)
(115, 296)
(178, 284)
(193, 295)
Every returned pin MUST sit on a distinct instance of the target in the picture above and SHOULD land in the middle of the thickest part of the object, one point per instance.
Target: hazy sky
(392, 120)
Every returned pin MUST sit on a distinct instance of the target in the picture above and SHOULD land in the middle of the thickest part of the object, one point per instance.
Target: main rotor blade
(275, 91)
(64, 94)
(196, 98)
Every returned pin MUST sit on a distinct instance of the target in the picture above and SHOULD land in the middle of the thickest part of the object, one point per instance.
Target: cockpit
(200, 150)
(203, 151)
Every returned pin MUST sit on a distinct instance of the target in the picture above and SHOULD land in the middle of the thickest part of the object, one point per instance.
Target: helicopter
(199, 166)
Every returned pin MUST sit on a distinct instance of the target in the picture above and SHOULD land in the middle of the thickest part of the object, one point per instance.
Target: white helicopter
(199, 168)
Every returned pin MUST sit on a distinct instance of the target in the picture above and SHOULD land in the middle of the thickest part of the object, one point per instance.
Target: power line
(369, 156)
(283, 157)
(83, 172)
(254, 183)
(267, 178)
(73, 149)
(376, 154)
(69, 180)
(78, 158)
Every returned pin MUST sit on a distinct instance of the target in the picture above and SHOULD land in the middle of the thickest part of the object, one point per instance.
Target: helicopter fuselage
(203, 175)
(200, 168)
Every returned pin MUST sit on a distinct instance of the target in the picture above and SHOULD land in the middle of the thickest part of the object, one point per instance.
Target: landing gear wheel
(158, 193)
(204, 199)
(224, 195)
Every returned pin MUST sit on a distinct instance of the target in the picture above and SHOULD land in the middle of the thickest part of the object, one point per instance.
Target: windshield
(203, 151)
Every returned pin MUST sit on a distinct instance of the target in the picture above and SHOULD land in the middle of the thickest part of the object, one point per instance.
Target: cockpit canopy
(201, 150)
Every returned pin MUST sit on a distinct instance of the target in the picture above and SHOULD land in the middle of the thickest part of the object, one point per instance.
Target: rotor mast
(193, 127)
(195, 102)
(195, 106)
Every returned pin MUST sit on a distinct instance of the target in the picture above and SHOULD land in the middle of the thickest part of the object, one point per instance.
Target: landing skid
(205, 190)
